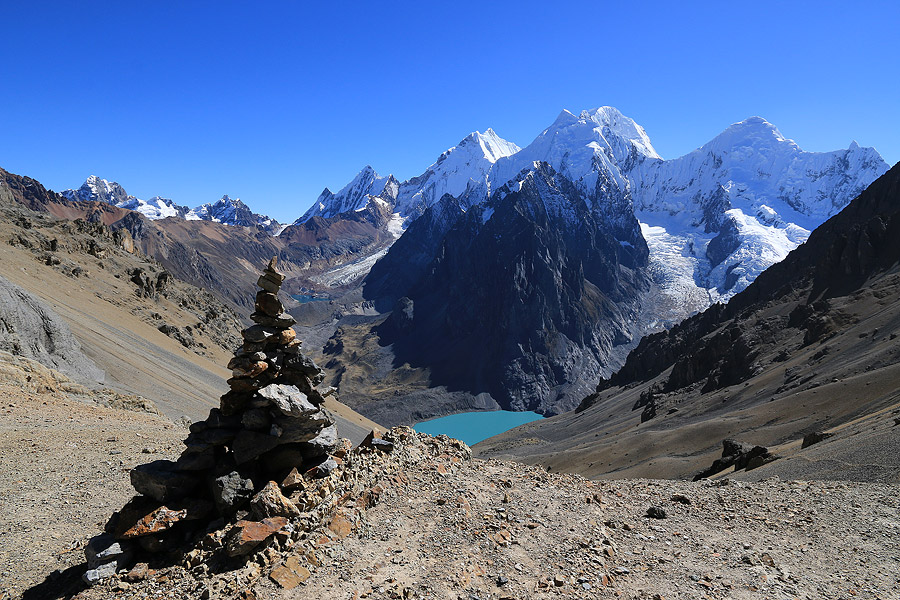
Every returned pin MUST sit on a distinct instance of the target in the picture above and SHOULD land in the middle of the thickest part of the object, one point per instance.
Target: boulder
(270, 502)
(231, 491)
(288, 399)
(162, 481)
(269, 304)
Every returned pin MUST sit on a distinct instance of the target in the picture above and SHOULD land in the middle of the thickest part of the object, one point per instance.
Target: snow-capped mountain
(227, 211)
(231, 211)
(462, 167)
(356, 195)
(714, 219)
(95, 189)
(719, 216)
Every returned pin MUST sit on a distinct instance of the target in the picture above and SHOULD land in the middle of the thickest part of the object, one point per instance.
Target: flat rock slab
(247, 535)
(135, 521)
(288, 399)
(290, 573)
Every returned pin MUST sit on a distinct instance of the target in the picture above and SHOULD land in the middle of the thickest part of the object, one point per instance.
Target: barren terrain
(446, 526)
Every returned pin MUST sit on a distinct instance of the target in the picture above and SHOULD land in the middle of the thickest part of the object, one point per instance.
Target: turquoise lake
(472, 427)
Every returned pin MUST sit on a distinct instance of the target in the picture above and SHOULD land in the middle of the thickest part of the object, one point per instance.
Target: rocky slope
(31, 329)
(808, 347)
(221, 258)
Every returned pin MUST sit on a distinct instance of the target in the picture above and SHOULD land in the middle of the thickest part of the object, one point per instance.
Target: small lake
(473, 427)
(304, 299)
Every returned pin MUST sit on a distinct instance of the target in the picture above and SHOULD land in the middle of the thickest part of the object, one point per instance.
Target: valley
(717, 335)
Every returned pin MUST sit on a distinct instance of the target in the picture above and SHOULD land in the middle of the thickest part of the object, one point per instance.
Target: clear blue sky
(271, 102)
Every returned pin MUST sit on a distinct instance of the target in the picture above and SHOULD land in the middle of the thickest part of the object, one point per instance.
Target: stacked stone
(270, 427)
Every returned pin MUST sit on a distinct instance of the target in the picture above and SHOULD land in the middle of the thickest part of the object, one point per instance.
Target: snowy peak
(598, 146)
(95, 189)
(458, 171)
(488, 145)
(752, 132)
(354, 196)
(613, 122)
(231, 211)
(227, 211)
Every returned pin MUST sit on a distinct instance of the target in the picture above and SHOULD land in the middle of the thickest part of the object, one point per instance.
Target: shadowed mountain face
(523, 297)
(810, 346)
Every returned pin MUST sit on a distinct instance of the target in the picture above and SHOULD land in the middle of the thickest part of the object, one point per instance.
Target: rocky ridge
(416, 517)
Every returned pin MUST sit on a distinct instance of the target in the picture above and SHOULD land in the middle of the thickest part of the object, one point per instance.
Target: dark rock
(234, 401)
(162, 481)
(656, 512)
(286, 457)
(104, 548)
(258, 334)
(814, 438)
(739, 455)
(252, 444)
(197, 458)
(280, 321)
(256, 419)
(268, 303)
(231, 491)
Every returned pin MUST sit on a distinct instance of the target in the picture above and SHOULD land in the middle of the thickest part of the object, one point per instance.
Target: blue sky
(271, 102)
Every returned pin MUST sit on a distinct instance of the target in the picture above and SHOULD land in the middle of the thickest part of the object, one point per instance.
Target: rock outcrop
(31, 329)
(270, 427)
(738, 455)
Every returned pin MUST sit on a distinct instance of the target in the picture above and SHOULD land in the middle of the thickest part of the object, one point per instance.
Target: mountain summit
(228, 211)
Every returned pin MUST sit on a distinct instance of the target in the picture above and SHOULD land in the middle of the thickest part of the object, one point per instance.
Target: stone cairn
(268, 432)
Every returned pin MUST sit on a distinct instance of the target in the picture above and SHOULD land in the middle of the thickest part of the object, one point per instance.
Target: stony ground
(444, 525)
(63, 469)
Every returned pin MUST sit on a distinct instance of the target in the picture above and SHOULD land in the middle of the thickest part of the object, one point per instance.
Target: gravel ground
(64, 466)
(450, 527)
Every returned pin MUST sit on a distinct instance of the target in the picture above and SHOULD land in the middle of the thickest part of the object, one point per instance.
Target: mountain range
(563, 254)
(226, 210)
(803, 362)
(474, 269)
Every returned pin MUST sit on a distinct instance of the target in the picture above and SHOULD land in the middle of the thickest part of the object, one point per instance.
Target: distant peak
(853, 145)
